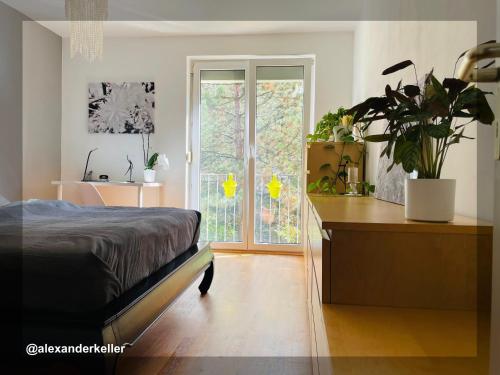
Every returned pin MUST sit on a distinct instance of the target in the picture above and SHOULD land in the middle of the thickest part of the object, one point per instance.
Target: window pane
(222, 124)
(278, 163)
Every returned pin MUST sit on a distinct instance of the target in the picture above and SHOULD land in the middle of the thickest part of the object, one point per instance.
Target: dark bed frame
(123, 321)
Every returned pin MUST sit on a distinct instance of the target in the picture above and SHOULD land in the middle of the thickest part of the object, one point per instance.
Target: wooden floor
(254, 321)
(254, 309)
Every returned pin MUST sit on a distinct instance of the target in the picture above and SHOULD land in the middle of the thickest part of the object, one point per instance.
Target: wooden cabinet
(362, 252)
(316, 254)
(321, 154)
(320, 243)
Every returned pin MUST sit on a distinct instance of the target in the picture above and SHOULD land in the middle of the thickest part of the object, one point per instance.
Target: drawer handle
(325, 235)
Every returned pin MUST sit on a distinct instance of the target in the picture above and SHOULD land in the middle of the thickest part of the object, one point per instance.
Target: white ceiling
(204, 10)
(169, 28)
(151, 14)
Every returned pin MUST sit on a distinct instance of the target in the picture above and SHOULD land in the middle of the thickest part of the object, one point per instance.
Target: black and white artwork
(121, 108)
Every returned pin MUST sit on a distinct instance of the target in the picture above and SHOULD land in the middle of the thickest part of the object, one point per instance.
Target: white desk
(139, 185)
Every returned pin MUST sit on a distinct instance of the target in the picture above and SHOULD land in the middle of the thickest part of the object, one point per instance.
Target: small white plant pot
(430, 199)
(149, 175)
(338, 132)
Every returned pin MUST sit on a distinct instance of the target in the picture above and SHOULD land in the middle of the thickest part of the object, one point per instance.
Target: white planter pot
(338, 132)
(430, 199)
(149, 175)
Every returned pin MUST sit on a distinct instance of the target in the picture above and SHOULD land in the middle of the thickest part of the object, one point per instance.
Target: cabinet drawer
(322, 347)
(320, 253)
(314, 351)
(319, 324)
(309, 274)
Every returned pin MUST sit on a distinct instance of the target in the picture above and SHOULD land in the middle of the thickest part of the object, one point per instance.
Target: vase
(430, 199)
(149, 175)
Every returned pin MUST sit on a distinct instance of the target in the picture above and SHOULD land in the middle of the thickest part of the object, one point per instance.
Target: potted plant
(151, 162)
(149, 171)
(343, 151)
(423, 122)
(327, 129)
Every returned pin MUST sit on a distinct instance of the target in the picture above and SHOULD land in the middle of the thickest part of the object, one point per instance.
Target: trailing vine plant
(327, 184)
(325, 127)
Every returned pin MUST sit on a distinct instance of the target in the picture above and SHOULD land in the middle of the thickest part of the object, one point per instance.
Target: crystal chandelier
(86, 36)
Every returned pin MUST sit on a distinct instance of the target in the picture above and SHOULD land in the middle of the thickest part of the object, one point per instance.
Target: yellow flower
(347, 121)
(274, 187)
(229, 186)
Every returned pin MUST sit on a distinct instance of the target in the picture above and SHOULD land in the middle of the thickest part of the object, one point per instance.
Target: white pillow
(3, 201)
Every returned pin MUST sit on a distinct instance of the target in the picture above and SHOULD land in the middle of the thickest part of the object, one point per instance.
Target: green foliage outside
(278, 151)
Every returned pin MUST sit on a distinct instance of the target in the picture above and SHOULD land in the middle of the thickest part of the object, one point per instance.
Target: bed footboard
(126, 325)
(130, 324)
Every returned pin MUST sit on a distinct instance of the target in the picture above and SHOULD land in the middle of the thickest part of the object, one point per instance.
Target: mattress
(78, 259)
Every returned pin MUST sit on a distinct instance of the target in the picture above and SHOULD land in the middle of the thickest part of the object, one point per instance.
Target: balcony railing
(277, 221)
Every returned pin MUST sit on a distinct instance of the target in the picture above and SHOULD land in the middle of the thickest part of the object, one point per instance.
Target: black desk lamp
(86, 166)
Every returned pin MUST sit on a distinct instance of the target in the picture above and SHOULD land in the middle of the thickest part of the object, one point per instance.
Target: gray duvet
(78, 259)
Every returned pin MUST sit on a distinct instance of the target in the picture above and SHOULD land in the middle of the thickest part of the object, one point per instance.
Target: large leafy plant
(423, 121)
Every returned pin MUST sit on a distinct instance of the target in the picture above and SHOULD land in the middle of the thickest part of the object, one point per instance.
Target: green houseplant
(326, 128)
(422, 123)
(338, 127)
(153, 160)
(149, 168)
(150, 162)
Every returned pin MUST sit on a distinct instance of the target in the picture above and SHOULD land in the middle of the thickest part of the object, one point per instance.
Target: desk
(139, 185)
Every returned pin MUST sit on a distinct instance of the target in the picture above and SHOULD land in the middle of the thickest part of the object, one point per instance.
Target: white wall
(495, 308)
(429, 44)
(163, 60)
(42, 68)
(10, 102)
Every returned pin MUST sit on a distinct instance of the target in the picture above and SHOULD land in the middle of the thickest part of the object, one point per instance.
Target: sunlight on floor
(255, 308)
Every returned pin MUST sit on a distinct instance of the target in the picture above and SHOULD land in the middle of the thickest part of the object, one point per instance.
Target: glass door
(279, 133)
(219, 152)
(248, 137)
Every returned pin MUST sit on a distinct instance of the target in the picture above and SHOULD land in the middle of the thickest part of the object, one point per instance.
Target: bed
(100, 274)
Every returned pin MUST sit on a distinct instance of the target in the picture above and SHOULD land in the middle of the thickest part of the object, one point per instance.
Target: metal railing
(277, 221)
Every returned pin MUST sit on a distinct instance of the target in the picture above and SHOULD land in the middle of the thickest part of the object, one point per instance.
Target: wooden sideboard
(365, 260)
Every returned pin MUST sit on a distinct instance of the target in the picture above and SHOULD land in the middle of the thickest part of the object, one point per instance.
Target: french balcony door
(248, 131)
